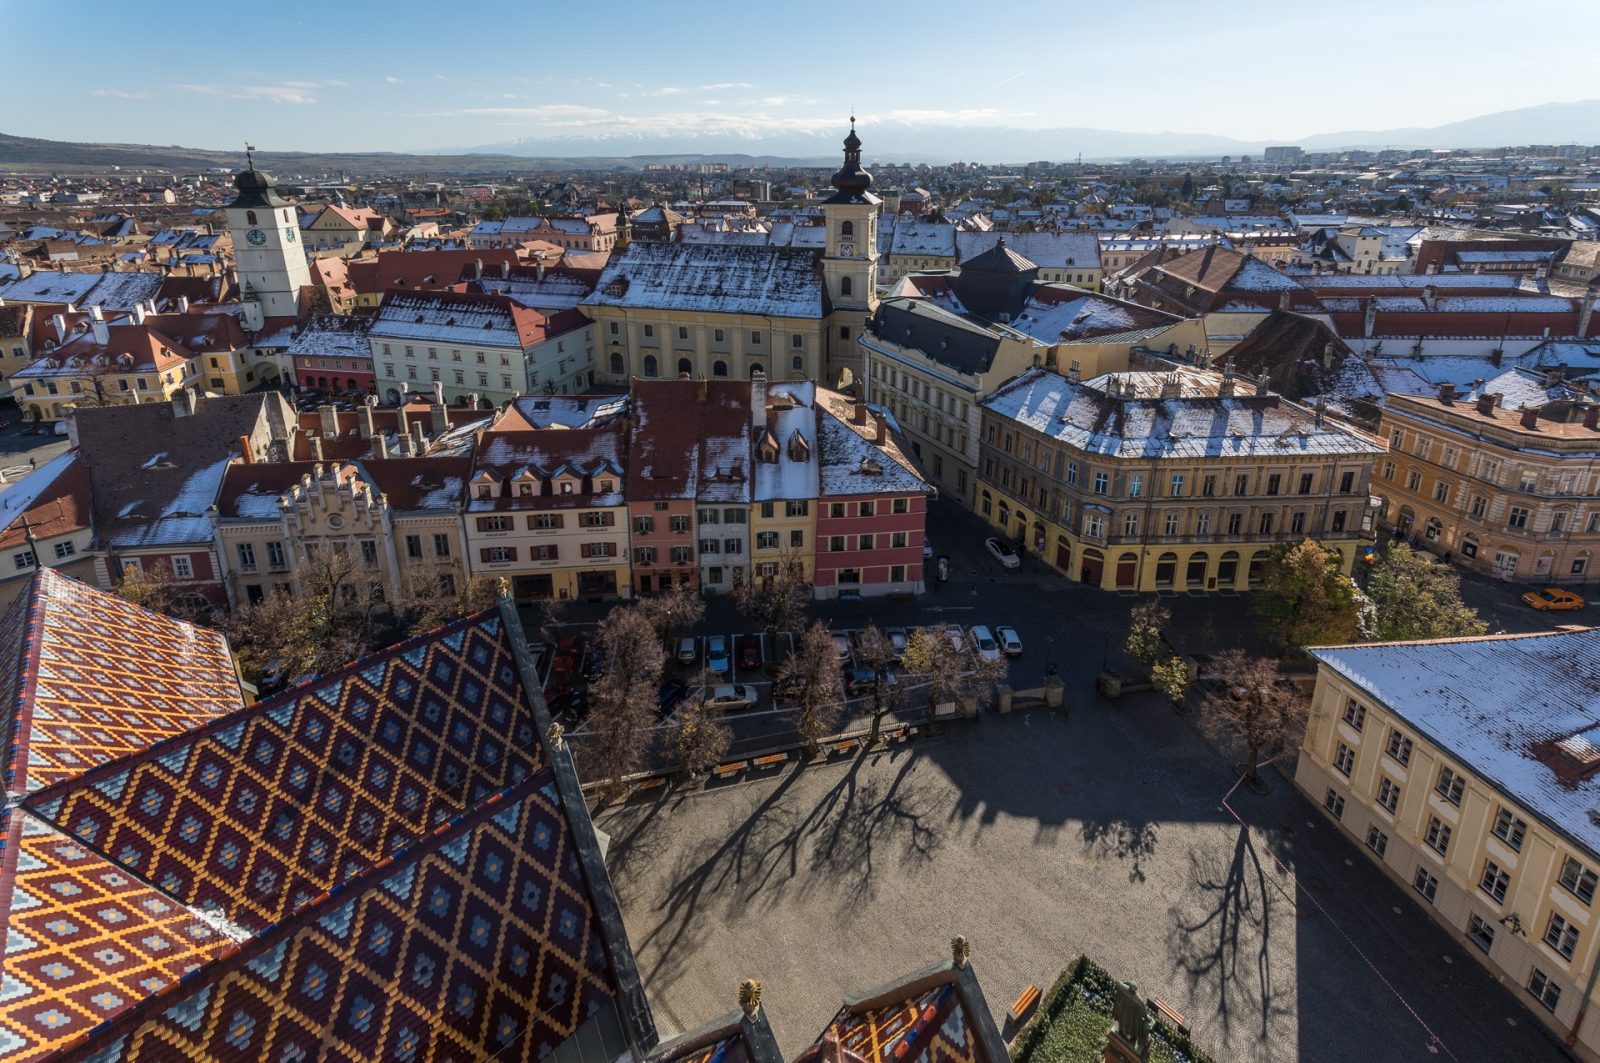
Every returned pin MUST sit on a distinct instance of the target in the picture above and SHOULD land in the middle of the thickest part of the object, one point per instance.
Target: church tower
(266, 247)
(850, 261)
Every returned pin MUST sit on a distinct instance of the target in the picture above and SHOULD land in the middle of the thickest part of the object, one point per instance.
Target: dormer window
(605, 487)
(566, 487)
(525, 490)
(485, 491)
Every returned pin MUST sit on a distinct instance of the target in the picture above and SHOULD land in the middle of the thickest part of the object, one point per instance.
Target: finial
(554, 738)
(749, 997)
(960, 949)
(503, 587)
(249, 155)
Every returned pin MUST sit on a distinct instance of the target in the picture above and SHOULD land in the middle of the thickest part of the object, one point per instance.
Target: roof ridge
(1503, 636)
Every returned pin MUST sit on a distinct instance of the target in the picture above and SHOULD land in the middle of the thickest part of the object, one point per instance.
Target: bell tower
(850, 261)
(266, 245)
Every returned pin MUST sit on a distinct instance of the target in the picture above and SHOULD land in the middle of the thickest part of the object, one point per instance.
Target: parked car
(749, 651)
(1553, 598)
(1002, 552)
(717, 662)
(1010, 641)
(983, 642)
(927, 548)
(787, 688)
(688, 653)
(841, 646)
(956, 636)
(862, 681)
(731, 697)
(897, 639)
(669, 695)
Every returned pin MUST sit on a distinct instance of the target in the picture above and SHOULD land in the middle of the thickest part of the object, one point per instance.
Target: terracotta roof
(149, 349)
(420, 484)
(686, 429)
(424, 270)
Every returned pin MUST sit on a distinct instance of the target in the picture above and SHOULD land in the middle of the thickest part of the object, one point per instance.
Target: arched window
(797, 362)
(250, 217)
(847, 230)
(616, 363)
(756, 367)
(685, 367)
(719, 369)
(650, 368)
(846, 286)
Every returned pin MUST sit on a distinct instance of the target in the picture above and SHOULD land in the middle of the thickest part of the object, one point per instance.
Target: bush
(1072, 1019)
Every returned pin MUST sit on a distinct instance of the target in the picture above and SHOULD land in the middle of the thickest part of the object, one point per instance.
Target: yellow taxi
(1552, 598)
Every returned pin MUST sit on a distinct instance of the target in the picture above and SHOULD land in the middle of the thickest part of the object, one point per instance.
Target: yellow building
(16, 342)
(1166, 481)
(783, 516)
(344, 231)
(106, 365)
(1466, 770)
(1505, 478)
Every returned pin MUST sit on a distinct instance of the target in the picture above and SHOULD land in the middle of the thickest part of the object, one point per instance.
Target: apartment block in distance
(1467, 770)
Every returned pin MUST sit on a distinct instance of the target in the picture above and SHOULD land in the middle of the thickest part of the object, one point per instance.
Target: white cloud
(958, 116)
(121, 94)
(391, 79)
(295, 92)
(720, 85)
(556, 113)
(668, 90)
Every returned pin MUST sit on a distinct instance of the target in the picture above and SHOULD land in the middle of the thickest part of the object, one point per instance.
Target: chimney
(316, 447)
(880, 430)
(183, 403)
(859, 414)
(58, 322)
(505, 269)
(1171, 386)
(137, 313)
(441, 418)
(1447, 393)
(1226, 387)
(477, 269)
(1530, 417)
(330, 421)
(1586, 313)
(1486, 404)
(1283, 300)
(758, 400)
(97, 323)
(1591, 418)
(1074, 375)
(1370, 316)
(367, 428)
(418, 436)
(1321, 412)
(1327, 355)
(244, 450)
(1430, 296)
(472, 401)
(438, 393)
(538, 269)
(380, 444)
(183, 304)
(407, 450)
(1495, 356)
(1261, 383)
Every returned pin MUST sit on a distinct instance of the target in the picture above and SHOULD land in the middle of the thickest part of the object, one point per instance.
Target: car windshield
(985, 644)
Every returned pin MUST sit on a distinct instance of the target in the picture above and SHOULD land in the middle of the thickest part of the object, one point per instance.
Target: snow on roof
(1415, 282)
(1090, 418)
(18, 497)
(850, 463)
(1487, 702)
(919, 238)
(1257, 276)
(113, 291)
(1050, 250)
(1488, 257)
(779, 282)
(428, 316)
(343, 337)
(183, 519)
(556, 291)
(791, 410)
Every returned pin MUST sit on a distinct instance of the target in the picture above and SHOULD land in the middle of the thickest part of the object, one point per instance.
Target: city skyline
(347, 81)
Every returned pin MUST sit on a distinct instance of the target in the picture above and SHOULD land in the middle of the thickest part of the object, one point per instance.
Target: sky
(410, 76)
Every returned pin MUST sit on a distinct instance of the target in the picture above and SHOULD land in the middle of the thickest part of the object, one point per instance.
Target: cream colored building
(1465, 770)
(1505, 478)
(105, 365)
(1166, 481)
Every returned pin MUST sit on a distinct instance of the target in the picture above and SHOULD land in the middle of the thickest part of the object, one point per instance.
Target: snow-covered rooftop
(779, 282)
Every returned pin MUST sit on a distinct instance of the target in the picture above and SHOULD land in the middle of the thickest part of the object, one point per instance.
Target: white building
(266, 247)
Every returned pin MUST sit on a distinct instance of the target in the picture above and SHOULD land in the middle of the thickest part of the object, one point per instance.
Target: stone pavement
(1041, 836)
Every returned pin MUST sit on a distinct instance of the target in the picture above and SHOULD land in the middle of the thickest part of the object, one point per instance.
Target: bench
(730, 769)
(654, 783)
(846, 746)
(1169, 1015)
(1024, 1003)
(771, 760)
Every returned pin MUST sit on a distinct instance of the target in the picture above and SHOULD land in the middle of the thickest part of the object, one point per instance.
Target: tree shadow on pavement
(1124, 838)
(874, 818)
(1226, 948)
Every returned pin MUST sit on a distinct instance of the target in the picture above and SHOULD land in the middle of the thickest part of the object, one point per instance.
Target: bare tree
(622, 702)
(331, 618)
(156, 588)
(699, 735)
(437, 602)
(874, 651)
(952, 672)
(1254, 705)
(777, 602)
(679, 607)
(812, 672)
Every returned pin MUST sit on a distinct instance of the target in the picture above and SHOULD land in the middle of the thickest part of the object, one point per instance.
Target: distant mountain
(1548, 123)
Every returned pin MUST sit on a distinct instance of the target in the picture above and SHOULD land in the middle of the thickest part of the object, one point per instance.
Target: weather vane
(249, 158)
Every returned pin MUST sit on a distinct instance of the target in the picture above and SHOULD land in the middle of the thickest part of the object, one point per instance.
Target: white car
(1010, 641)
(897, 640)
(983, 642)
(841, 646)
(927, 548)
(1001, 551)
(731, 697)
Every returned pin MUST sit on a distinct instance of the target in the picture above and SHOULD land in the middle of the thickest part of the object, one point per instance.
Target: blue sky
(405, 75)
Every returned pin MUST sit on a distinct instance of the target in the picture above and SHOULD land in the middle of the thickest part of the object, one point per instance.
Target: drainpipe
(1583, 1009)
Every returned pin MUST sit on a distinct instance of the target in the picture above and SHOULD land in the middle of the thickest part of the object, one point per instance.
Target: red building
(332, 354)
(872, 504)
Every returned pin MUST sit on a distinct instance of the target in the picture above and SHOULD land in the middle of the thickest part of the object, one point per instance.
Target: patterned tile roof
(263, 810)
(929, 1026)
(87, 677)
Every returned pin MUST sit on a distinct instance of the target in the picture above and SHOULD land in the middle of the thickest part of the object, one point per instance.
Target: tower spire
(249, 156)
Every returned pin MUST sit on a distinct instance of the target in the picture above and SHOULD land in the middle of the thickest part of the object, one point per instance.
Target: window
(441, 544)
(494, 524)
(755, 339)
(1171, 525)
(1517, 518)
(1297, 521)
(545, 521)
(181, 568)
(900, 505)
(499, 554)
(1344, 759)
(1413, 480)
(1177, 485)
(1387, 471)
(1354, 714)
(898, 540)
(1094, 525)
(1480, 932)
(1425, 884)
(1441, 492)
(836, 510)
(1494, 881)
(1561, 935)
(1347, 483)
(599, 549)
(1377, 841)
(716, 335)
(796, 509)
(1208, 486)
(247, 557)
(1544, 990)
(836, 543)
(864, 542)
(369, 552)
(767, 541)
(1399, 747)
(1334, 804)
(1510, 829)
(1273, 482)
(413, 546)
(714, 516)
(711, 546)
(644, 555)
(1389, 795)
(1265, 524)
(1135, 486)
(1578, 880)
(1438, 835)
(1072, 472)
(65, 550)
(1450, 785)
(682, 555)
(1235, 523)
(1102, 482)
(680, 524)
(797, 539)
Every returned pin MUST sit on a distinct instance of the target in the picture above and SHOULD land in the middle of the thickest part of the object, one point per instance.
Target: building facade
(1166, 481)
(476, 347)
(266, 246)
(1504, 479)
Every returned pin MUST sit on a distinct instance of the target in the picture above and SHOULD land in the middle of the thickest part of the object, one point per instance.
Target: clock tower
(266, 246)
(850, 261)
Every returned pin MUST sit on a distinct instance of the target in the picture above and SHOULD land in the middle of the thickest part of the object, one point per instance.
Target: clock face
(847, 250)
(256, 236)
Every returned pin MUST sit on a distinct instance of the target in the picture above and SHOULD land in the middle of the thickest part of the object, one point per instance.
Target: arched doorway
(1432, 529)
(1166, 569)
(1258, 561)
(1127, 572)
(1064, 554)
(1038, 537)
(1544, 563)
(1228, 569)
(685, 367)
(1403, 522)
(1194, 575)
(1093, 567)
